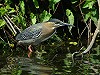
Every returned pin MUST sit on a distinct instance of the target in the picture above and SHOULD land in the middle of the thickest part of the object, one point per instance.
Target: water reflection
(60, 58)
(24, 66)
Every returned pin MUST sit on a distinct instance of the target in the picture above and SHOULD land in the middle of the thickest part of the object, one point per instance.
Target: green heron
(39, 32)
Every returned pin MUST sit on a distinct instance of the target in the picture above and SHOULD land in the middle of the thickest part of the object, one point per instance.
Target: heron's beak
(64, 24)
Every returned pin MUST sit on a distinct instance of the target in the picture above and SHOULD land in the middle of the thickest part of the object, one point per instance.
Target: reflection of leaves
(36, 3)
(45, 16)
(33, 18)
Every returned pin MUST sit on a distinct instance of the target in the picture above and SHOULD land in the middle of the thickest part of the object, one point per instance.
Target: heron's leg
(30, 49)
(29, 54)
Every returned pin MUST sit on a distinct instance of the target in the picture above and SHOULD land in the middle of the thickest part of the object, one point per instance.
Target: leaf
(89, 4)
(73, 2)
(21, 20)
(12, 11)
(36, 3)
(33, 18)
(2, 23)
(56, 1)
(22, 6)
(45, 16)
(73, 43)
(94, 19)
(2, 11)
(87, 16)
(52, 4)
(92, 15)
(70, 16)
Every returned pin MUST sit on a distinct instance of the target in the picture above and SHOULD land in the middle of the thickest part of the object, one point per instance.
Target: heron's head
(59, 23)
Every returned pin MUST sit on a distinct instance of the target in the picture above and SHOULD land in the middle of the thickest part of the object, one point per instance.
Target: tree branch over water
(93, 38)
(95, 33)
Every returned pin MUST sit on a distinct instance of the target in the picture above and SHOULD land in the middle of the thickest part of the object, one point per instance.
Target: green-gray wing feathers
(31, 32)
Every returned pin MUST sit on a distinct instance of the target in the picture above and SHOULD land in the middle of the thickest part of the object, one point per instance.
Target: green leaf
(12, 11)
(91, 15)
(56, 1)
(2, 23)
(89, 4)
(21, 20)
(70, 16)
(22, 6)
(94, 19)
(73, 1)
(33, 18)
(52, 4)
(45, 16)
(2, 11)
(73, 43)
(36, 3)
(87, 16)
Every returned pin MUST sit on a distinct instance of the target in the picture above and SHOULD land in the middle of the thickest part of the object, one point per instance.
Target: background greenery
(79, 13)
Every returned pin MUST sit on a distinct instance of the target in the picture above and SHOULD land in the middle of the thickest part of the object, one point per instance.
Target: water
(49, 60)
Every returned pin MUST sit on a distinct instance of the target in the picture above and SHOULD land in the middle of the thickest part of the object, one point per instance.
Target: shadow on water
(24, 66)
(49, 60)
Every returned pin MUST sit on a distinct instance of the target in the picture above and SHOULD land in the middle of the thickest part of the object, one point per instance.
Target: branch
(95, 33)
(77, 54)
(11, 25)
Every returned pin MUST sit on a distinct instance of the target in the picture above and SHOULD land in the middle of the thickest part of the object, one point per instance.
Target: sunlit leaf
(2, 11)
(33, 18)
(2, 23)
(70, 16)
(73, 1)
(12, 11)
(22, 6)
(45, 16)
(55, 1)
(36, 3)
(94, 19)
(91, 15)
(89, 4)
(87, 16)
(11, 45)
(73, 43)
(52, 3)
(21, 20)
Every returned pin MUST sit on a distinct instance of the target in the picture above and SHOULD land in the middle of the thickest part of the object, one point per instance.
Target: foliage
(52, 4)
(92, 13)
(27, 12)
(45, 16)
(33, 18)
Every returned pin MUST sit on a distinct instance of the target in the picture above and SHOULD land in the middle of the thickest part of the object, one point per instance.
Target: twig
(10, 24)
(84, 22)
(95, 33)
(94, 36)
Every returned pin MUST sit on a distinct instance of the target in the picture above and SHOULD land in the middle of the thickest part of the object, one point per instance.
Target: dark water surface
(49, 61)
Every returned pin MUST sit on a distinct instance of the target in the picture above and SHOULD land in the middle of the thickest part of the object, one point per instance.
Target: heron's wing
(31, 32)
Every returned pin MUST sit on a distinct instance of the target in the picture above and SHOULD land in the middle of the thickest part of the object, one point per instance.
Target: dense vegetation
(83, 14)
